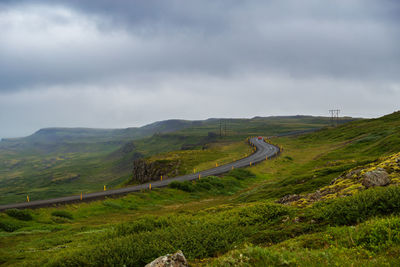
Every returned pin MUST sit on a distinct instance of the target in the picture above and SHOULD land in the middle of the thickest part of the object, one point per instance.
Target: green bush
(184, 186)
(262, 214)
(144, 224)
(379, 235)
(214, 184)
(198, 235)
(23, 215)
(359, 207)
(196, 239)
(10, 225)
(241, 174)
(62, 214)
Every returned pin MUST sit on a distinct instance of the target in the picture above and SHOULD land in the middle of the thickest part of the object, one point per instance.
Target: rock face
(144, 171)
(378, 177)
(174, 260)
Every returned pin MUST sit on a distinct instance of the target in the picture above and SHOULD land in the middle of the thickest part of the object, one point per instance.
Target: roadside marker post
(105, 188)
(27, 198)
(216, 164)
(199, 176)
(250, 163)
(149, 186)
(81, 195)
(161, 178)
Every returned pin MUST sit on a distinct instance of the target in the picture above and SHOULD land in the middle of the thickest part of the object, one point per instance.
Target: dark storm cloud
(302, 38)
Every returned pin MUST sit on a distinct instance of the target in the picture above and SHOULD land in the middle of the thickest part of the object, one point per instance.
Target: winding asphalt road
(263, 151)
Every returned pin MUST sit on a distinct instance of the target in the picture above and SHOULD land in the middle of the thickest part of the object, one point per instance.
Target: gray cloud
(97, 53)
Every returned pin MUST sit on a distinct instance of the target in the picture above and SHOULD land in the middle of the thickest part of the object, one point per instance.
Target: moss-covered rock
(382, 172)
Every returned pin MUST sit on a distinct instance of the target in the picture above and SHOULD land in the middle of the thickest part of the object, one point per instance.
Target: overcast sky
(107, 63)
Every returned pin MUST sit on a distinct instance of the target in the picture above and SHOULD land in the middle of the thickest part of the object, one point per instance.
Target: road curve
(263, 151)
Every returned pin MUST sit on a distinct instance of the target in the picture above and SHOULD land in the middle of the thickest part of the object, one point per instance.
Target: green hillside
(238, 219)
(57, 162)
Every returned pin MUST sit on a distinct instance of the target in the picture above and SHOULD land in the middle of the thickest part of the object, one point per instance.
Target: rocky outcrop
(144, 171)
(378, 177)
(174, 260)
(382, 172)
(353, 174)
(288, 199)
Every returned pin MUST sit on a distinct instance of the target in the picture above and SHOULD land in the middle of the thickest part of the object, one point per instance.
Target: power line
(334, 116)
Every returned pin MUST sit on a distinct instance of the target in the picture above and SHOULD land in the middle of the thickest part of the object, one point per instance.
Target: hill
(57, 162)
(214, 220)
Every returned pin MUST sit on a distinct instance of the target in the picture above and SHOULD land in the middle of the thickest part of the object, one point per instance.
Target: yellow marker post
(266, 157)
(149, 186)
(250, 163)
(161, 178)
(216, 164)
(81, 195)
(199, 176)
(105, 188)
(27, 198)
(194, 170)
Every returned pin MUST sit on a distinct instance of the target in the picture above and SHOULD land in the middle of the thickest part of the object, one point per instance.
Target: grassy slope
(58, 162)
(207, 223)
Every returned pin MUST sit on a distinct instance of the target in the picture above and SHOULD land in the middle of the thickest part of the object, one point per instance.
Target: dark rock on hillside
(378, 177)
(174, 260)
(144, 171)
(288, 199)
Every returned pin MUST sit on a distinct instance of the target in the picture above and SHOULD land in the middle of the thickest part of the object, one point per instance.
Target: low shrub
(143, 224)
(379, 235)
(214, 184)
(62, 214)
(10, 225)
(262, 214)
(359, 207)
(197, 235)
(23, 215)
(184, 186)
(241, 174)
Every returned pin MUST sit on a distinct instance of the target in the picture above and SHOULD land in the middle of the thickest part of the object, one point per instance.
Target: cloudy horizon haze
(118, 64)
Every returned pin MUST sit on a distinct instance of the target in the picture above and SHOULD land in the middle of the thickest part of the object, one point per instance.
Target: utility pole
(225, 127)
(334, 116)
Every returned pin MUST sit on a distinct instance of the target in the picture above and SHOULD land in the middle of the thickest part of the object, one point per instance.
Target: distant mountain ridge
(95, 135)
(56, 135)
